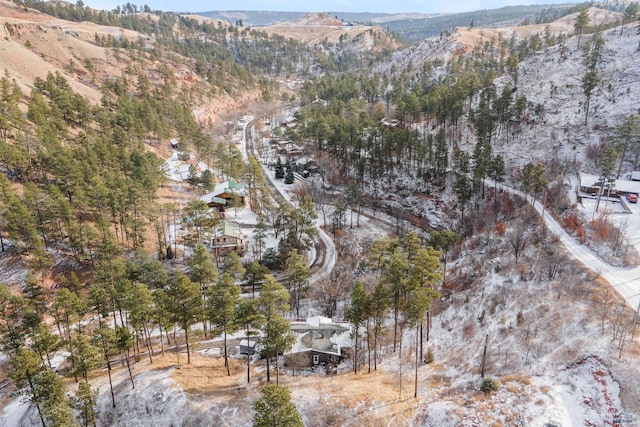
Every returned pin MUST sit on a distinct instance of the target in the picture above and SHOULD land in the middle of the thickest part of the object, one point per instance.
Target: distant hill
(415, 30)
(318, 28)
(265, 18)
(413, 27)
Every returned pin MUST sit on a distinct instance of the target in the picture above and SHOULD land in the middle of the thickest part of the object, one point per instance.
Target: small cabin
(247, 346)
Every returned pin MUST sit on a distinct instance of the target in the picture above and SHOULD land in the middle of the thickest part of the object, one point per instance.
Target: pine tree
(25, 365)
(248, 318)
(203, 272)
(254, 274)
(298, 274)
(626, 134)
(607, 166)
(272, 303)
(223, 299)
(44, 342)
(357, 312)
(104, 338)
(19, 223)
(275, 408)
(184, 299)
(140, 306)
(419, 302)
(84, 402)
(84, 356)
(592, 57)
(581, 23)
(34, 293)
(50, 392)
(379, 304)
(124, 341)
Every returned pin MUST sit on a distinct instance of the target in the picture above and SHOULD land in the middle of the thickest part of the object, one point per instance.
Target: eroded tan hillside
(471, 37)
(33, 44)
(317, 27)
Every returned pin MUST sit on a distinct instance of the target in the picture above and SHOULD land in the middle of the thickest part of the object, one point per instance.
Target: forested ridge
(104, 286)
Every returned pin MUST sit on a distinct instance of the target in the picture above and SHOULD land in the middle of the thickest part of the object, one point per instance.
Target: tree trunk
(186, 339)
(37, 405)
(126, 354)
(484, 356)
(375, 347)
(400, 365)
(277, 369)
(204, 318)
(161, 340)
(226, 357)
(395, 328)
(113, 397)
(415, 388)
(145, 331)
(248, 358)
(268, 368)
(368, 348)
(355, 352)
(428, 324)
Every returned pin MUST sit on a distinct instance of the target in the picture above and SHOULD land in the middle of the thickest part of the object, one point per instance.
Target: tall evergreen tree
(581, 23)
(627, 133)
(184, 298)
(379, 305)
(104, 338)
(84, 402)
(357, 313)
(272, 304)
(275, 408)
(25, 365)
(223, 299)
(203, 272)
(249, 319)
(592, 56)
(298, 274)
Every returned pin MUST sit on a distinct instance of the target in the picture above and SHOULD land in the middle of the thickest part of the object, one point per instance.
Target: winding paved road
(624, 280)
(326, 254)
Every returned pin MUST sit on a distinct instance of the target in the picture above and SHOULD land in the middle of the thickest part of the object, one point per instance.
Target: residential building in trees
(590, 185)
(319, 342)
(228, 239)
(225, 195)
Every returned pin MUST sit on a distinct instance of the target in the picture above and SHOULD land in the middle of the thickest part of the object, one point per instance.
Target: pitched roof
(210, 198)
(225, 187)
(229, 187)
(231, 229)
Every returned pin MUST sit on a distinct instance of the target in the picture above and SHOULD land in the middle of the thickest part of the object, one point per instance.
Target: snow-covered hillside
(553, 79)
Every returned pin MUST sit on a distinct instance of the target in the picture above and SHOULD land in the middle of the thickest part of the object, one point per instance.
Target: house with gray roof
(319, 342)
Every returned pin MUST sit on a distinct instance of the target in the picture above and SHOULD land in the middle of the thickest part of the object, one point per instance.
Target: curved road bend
(625, 281)
(325, 258)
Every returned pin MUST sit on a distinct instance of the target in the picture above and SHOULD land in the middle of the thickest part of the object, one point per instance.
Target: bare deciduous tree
(518, 238)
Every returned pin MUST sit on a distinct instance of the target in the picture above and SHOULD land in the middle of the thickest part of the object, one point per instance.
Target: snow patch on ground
(158, 400)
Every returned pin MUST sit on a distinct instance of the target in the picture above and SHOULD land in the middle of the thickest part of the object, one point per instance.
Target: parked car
(632, 198)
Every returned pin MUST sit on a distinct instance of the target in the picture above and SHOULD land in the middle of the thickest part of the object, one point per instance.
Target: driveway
(624, 280)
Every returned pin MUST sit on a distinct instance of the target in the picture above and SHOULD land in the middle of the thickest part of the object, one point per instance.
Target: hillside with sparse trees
(318, 222)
